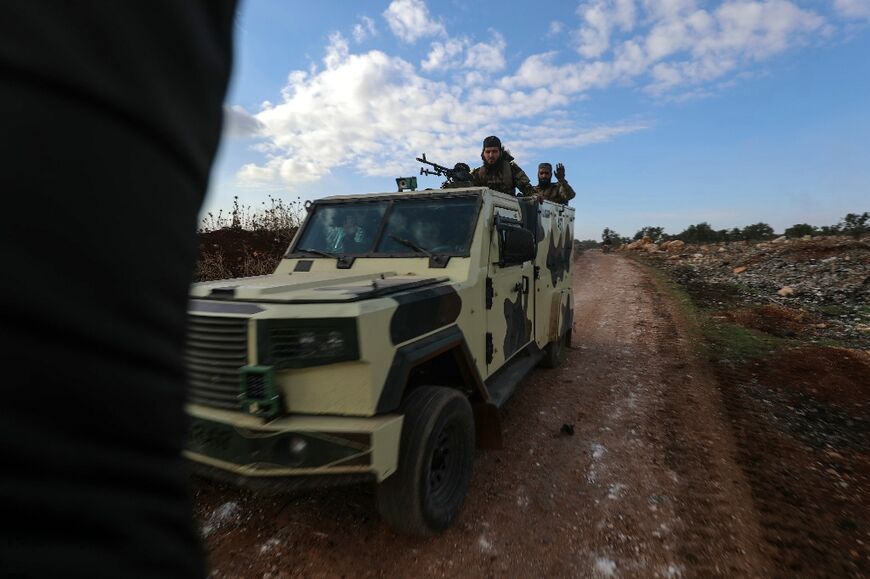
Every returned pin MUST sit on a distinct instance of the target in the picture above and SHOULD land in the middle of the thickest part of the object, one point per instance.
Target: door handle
(522, 286)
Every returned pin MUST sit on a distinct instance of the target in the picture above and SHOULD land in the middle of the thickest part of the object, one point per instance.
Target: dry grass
(246, 242)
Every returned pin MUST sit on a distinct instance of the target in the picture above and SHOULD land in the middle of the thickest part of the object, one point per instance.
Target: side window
(516, 244)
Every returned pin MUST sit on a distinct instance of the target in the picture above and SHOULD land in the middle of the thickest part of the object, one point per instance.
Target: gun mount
(458, 176)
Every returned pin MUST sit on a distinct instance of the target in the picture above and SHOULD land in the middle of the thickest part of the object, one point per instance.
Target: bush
(801, 229)
(855, 224)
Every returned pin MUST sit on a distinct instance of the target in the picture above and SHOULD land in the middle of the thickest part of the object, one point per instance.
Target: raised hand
(560, 171)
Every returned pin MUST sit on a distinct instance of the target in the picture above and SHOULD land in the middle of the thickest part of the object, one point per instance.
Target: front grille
(216, 348)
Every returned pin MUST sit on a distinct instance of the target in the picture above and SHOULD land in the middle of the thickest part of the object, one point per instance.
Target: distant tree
(585, 244)
(829, 230)
(855, 224)
(614, 237)
(654, 233)
(699, 233)
(722, 235)
(735, 234)
(757, 231)
(801, 229)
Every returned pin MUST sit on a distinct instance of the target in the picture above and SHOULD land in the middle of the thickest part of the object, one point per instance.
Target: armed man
(558, 192)
(499, 171)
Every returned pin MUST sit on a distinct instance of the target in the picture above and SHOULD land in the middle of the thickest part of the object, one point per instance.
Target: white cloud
(488, 56)
(409, 20)
(757, 29)
(239, 123)
(445, 54)
(669, 45)
(600, 18)
(557, 133)
(374, 112)
(555, 28)
(364, 29)
(482, 57)
(853, 8)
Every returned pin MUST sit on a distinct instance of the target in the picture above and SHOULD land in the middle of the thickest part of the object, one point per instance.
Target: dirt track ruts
(647, 485)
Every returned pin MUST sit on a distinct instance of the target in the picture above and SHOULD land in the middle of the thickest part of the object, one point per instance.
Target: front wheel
(436, 453)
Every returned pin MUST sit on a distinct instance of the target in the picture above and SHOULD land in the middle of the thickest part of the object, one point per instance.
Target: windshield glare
(343, 228)
(441, 226)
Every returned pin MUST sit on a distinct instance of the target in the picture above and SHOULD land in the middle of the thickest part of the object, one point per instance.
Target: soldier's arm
(521, 181)
(566, 192)
(476, 178)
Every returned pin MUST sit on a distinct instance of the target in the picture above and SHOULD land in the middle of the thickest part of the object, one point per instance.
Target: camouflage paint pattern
(395, 302)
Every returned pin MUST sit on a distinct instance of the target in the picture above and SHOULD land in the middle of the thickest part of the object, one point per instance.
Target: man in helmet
(499, 171)
(558, 192)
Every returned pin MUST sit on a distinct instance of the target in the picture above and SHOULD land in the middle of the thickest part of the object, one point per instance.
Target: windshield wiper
(319, 252)
(412, 245)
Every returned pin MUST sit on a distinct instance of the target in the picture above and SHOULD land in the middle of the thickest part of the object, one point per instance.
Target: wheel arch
(448, 354)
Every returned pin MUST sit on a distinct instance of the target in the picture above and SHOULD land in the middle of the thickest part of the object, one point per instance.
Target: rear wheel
(436, 454)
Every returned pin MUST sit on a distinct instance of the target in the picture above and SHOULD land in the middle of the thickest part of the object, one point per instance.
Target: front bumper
(242, 448)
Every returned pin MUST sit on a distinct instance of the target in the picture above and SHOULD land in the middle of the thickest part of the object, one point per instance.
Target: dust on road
(646, 486)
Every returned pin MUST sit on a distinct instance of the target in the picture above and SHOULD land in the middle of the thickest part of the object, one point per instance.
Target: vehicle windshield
(413, 227)
(342, 229)
(433, 225)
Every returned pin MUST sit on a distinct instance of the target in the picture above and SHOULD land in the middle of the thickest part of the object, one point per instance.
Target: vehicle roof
(433, 193)
(451, 192)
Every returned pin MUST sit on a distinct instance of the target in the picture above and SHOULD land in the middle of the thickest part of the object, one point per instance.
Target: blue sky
(664, 112)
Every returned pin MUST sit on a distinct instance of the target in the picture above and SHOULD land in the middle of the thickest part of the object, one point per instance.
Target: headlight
(334, 343)
(301, 343)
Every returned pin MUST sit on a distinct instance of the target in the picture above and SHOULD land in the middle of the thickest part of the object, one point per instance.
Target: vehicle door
(509, 299)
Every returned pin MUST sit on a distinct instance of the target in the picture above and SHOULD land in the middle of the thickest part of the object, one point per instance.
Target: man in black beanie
(499, 171)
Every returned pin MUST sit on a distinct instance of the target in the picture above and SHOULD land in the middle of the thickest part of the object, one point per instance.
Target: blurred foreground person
(110, 114)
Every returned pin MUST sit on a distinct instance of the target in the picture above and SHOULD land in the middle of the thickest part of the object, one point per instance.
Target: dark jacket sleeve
(111, 114)
(566, 192)
(521, 180)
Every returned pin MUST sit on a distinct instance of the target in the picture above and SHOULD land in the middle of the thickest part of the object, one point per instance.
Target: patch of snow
(219, 517)
(604, 567)
(522, 499)
(269, 545)
(614, 491)
(485, 545)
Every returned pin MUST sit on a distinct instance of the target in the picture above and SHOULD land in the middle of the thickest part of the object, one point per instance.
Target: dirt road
(646, 486)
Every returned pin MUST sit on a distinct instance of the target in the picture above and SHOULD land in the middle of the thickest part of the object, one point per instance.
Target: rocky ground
(676, 467)
(786, 325)
(816, 289)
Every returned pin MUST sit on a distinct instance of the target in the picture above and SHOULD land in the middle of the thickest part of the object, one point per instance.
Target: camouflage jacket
(505, 177)
(558, 192)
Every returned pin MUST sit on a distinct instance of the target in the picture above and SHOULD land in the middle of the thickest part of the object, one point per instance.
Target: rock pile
(828, 277)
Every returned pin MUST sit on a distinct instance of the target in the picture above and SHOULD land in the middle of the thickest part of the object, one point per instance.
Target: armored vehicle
(382, 346)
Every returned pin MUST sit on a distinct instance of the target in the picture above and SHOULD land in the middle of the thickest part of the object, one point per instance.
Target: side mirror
(516, 245)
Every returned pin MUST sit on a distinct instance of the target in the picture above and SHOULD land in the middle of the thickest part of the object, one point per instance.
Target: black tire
(554, 353)
(436, 454)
